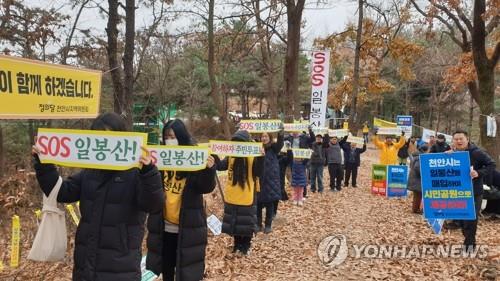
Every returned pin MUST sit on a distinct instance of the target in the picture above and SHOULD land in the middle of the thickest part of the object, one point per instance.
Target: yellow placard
(71, 211)
(31, 89)
(107, 150)
(260, 126)
(16, 234)
(179, 157)
(380, 123)
(235, 148)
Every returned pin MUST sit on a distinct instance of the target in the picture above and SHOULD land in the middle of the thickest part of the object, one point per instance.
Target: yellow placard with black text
(32, 89)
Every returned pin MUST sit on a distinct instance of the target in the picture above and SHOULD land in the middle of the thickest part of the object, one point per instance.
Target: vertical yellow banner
(14, 250)
(71, 211)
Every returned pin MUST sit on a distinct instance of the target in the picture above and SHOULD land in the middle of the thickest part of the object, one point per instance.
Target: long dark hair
(181, 133)
(183, 138)
(109, 122)
(240, 169)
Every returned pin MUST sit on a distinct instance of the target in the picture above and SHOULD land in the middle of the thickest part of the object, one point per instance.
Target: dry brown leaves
(289, 252)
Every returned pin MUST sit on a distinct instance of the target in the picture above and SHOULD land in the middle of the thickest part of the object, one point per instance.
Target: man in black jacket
(482, 166)
(352, 161)
(440, 145)
(317, 161)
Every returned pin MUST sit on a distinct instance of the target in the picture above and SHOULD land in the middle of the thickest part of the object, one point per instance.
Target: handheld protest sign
(107, 150)
(296, 127)
(300, 153)
(405, 123)
(32, 89)
(339, 133)
(447, 189)
(356, 140)
(389, 131)
(179, 158)
(320, 131)
(260, 126)
(397, 180)
(235, 148)
(379, 179)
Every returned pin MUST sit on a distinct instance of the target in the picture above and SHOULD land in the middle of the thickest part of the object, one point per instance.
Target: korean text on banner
(339, 133)
(447, 189)
(260, 126)
(296, 127)
(32, 89)
(300, 153)
(378, 123)
(91, 149)
(319, 93)
(235, 149)
(179, 158)
(397, 180)
(389, 131)
(379, 179)
(405, 123)
(356, 140)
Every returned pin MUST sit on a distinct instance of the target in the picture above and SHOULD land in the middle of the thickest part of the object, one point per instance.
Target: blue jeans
(317, 172)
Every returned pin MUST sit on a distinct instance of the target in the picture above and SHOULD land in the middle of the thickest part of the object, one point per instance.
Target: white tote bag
(51, 239)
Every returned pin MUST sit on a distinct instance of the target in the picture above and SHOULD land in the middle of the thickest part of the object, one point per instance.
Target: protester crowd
(114, 204)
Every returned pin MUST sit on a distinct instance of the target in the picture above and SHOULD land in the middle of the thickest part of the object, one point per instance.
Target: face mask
(171, 142)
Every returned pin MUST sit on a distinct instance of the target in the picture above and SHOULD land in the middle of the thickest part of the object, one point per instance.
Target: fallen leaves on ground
(290, 251)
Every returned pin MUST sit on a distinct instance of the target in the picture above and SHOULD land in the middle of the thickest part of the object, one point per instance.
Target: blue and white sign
(405, 123)
(447, 189)
(397, 180)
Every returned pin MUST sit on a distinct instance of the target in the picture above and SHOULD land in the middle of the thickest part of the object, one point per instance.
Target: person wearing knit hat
(240, 209)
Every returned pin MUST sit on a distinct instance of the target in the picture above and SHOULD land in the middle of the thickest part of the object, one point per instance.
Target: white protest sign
(90, 149)
(319, 93)
(260, 126)
(236, 149)
(339, 133)
(426, 135)
(296, 127)
(320, 131)
(301, 153)
(389, 131)
(179, 158)
(356, 140)
(214, 224)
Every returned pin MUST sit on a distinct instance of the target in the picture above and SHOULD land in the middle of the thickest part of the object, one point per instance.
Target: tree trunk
(355, 82)
(128, 62)
(485, 69)
(265, 42)
(471, 113)
(291, 73)
(214, 88)
(112, 50)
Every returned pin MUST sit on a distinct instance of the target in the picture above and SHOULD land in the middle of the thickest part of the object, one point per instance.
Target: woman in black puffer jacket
(113, 207)
(178, 234)
(270, 189)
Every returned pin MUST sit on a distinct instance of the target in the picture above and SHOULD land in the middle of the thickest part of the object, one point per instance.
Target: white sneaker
(301, 203)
